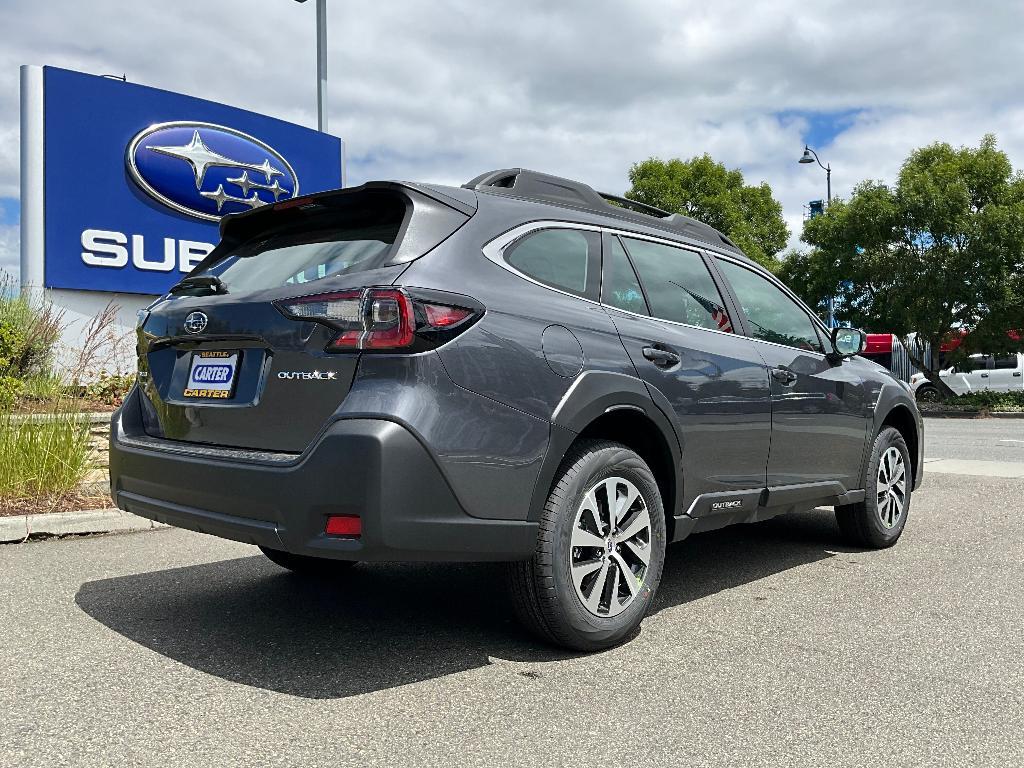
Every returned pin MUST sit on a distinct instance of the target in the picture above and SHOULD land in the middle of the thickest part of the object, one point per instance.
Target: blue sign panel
(136, 179)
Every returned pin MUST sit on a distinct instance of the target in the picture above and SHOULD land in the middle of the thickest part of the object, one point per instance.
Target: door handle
(664, 358)
(783, 375)
(984, 375)
(1017, 374)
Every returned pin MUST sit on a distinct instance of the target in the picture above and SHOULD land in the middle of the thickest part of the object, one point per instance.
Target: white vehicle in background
(997, 373)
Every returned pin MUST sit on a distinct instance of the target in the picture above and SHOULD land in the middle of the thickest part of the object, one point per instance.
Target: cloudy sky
(441, 91)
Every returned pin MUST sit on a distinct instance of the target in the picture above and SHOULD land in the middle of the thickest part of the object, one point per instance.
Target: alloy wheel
(610, 548)
(892, 487)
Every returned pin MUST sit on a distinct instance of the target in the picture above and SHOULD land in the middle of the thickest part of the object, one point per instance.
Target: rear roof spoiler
(233, 222)
(454, 207)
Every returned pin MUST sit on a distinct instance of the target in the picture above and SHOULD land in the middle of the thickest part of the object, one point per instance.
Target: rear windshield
(338, 242)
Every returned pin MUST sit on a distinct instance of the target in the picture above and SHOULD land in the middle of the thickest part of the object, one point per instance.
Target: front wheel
(878, 521)
(600, 550)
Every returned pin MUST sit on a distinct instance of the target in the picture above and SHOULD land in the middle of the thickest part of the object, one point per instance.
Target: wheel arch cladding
(615, 407)
(638, 432)
(900, 418)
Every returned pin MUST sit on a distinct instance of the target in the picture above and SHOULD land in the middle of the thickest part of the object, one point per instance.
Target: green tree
(942, 252)
(709, 192)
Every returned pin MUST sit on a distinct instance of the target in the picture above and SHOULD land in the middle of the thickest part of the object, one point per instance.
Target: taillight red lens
(388, 316)
(440, 316)
(381, 318)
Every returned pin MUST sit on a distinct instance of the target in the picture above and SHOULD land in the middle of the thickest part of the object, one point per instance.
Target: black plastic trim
(376, 469)
(592, 395)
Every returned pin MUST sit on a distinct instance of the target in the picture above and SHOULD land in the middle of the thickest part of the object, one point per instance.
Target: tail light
(386, 318)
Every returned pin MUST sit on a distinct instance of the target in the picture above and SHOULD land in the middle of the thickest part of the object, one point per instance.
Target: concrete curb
(973, 415)
(23, 527)
(90, 417)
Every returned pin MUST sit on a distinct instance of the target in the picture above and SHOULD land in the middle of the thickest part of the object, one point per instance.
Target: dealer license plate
(212, 374)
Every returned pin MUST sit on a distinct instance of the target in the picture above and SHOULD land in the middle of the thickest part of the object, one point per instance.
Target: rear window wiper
(199, 285)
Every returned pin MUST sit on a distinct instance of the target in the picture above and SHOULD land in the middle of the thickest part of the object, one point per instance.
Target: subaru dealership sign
(124, 185)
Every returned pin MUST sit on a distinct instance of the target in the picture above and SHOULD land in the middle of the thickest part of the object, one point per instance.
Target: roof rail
(520, 182)
(635, 205)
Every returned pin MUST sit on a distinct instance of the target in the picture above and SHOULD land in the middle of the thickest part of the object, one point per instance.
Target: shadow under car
(382, 625)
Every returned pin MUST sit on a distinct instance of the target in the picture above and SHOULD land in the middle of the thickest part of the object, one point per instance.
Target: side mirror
(847, 342)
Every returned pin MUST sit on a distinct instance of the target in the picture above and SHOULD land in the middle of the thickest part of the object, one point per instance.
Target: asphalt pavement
(975, 439)
(770, 644)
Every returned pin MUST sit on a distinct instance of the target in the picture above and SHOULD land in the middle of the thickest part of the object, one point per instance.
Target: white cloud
(445, 90)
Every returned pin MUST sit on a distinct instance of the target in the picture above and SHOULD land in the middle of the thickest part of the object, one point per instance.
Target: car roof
(590, 206)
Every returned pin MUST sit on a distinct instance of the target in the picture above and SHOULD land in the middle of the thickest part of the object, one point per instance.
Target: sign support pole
(321, 65)
(33, 231)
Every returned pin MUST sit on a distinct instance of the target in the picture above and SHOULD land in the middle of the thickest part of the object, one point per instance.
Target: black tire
(543, 593)
(861, 524)
(927, 393)
(306, 565)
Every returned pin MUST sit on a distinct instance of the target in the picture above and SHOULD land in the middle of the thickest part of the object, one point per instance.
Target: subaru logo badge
(195, 322)
(207, 171)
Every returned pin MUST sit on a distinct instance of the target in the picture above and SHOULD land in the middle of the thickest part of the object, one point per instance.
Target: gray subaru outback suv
(520, 369)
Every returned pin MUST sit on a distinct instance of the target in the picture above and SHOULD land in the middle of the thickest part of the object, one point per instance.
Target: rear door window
(620, 288)
(566, 259)
(678, 285)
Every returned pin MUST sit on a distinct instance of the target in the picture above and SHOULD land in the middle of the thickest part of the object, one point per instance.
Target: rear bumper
(372, 468)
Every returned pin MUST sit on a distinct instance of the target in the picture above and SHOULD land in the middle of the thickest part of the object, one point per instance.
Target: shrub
(10, 388)
(992, 401)
(109, 389)
(45, 454)
(42, 388)
(29, 332)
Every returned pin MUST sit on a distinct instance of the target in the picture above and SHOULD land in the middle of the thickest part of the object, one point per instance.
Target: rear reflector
(344, 525)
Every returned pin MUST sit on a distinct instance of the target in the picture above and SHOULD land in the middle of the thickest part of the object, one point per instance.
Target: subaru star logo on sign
(207, 170)
(135, 180)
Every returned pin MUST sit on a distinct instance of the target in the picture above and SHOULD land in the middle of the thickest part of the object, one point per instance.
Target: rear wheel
(306, 565)
(878, 521)
(600, 550)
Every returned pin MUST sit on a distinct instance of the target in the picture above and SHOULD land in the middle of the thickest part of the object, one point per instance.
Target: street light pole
(808, 152)
(810, 156)
(321, 64)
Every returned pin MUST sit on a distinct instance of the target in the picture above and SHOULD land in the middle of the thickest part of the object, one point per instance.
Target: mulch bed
(68, 502)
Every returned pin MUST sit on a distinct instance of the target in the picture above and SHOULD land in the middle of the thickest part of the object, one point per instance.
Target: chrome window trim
(513, 236)
(495, 249)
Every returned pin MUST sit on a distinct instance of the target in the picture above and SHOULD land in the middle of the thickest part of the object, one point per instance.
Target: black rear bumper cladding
(372, 468)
